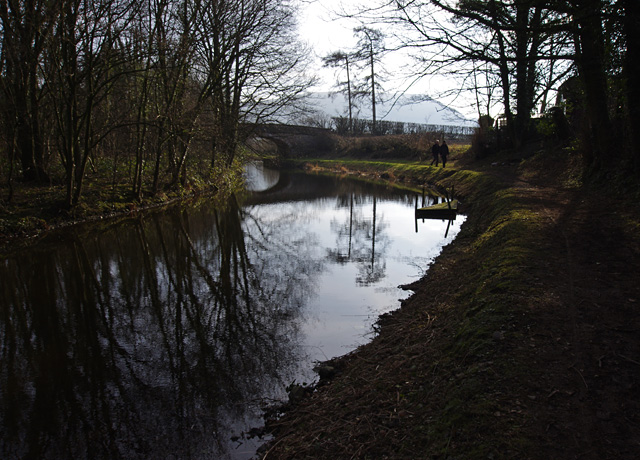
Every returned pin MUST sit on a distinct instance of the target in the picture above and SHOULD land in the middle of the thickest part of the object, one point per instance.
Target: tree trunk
(28, 135)
(632, 32)
(506, 88)
(590, 58)
(522, 109)
(373, 94)
(527, 43)
(349, 95)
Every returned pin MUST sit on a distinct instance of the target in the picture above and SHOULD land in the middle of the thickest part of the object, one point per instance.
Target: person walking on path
(444, 151)
(435, 151)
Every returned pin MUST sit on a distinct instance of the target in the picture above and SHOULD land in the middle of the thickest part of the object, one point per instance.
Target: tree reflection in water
(149, 339)
(361, 239)
(164, 336)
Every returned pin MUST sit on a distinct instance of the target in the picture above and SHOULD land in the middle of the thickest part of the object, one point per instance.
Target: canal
(168, 334)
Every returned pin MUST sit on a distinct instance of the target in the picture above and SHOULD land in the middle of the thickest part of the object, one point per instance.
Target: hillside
(408, 109)
(521, 342)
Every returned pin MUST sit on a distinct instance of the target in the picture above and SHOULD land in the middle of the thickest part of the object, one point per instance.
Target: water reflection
(258, 178)
(145, 341)
(165, 336)
(356, 238)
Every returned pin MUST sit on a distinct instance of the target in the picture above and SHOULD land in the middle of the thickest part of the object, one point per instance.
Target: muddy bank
(521, 342)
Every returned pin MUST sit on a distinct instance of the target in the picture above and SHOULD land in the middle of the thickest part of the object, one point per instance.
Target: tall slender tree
(370, 49)
(591, 61)
(338, 59)
(251, 66)
(81, 65)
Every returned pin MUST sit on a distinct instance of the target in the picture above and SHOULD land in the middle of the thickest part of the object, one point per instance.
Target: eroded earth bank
(523, 341)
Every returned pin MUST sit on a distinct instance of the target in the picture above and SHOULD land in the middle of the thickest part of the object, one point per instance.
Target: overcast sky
(326, 32)
(321, 28)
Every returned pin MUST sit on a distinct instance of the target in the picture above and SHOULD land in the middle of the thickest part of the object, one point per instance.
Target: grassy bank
(445, 376)
(482, 361)
(36, 209)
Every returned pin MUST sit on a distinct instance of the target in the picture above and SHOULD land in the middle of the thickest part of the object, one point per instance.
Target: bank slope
(501, 352)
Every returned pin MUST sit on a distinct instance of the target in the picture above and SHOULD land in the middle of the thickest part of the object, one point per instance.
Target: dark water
(166, 335)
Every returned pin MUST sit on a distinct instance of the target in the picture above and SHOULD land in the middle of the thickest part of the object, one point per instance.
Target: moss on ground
(452, 373)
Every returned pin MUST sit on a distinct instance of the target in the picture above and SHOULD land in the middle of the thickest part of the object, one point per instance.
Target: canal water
(168, 334)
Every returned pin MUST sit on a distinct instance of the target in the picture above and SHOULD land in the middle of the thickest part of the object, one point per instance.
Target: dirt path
(456, 374)
(592, 409)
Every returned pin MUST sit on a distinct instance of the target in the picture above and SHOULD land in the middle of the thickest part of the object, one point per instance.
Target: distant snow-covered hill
(407, 109)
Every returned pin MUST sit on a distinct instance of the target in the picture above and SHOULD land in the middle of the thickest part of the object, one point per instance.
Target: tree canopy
(154, 82)
(514, 56)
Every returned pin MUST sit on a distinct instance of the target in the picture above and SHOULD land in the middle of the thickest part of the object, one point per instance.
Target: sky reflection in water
(166, 334)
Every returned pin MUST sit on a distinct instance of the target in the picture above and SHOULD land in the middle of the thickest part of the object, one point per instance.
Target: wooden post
(447, 231)
(415, 215)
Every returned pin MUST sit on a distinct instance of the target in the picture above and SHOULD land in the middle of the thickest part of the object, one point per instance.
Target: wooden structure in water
(447, 211)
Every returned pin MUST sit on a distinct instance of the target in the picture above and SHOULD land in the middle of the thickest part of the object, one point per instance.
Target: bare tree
(81, 66)
(26, 29)
(163, 74)
(251, 66)
(590, 58)
(370, 49)
(472, 38)
(338, 59)
(531, 47)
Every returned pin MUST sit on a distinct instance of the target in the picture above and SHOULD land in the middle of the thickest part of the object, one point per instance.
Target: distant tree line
(358, 126)
(148, 87)
(516, 54)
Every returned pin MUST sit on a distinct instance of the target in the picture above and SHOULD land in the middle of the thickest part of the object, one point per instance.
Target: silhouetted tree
(370, 48)
(338, 59)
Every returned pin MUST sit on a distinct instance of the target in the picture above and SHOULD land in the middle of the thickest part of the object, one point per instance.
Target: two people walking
(439, 152)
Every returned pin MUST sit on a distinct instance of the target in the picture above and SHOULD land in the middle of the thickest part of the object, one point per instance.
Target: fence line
(384, 127)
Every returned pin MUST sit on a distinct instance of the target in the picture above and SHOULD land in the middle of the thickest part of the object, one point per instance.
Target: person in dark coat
(444, 151)
(435, 151)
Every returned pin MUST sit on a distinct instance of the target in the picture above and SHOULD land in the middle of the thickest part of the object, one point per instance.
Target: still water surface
(165, 336)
